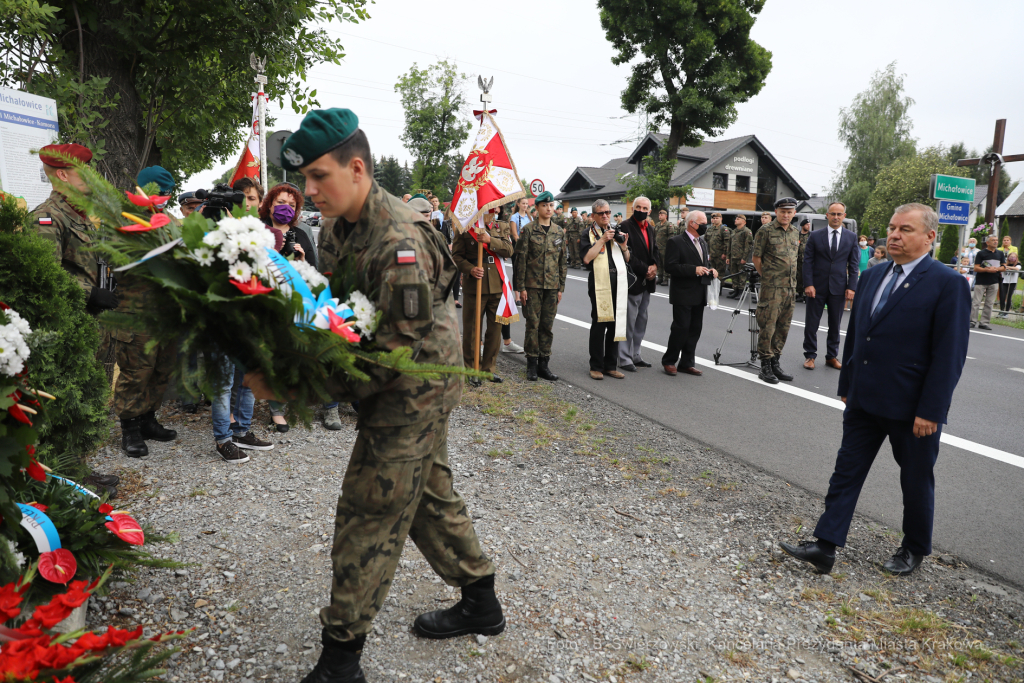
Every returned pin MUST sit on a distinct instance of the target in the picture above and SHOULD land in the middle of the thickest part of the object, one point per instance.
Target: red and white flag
(488, 180)
(249, 164)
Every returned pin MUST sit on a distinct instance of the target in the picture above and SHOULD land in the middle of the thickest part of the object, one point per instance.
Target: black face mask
(639, 216)
(702, 228)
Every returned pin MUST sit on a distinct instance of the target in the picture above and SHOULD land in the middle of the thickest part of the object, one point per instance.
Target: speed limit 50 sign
(536, 186)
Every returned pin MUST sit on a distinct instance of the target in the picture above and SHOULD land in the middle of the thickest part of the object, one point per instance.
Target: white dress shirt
(837, 234)
(908, 268)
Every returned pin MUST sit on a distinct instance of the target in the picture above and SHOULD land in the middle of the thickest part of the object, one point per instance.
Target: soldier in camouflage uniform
(805, 233)
(662, 232)
(739, 254)
(539, 270)
(573, 229)
(775, 255)
(398, 481)
(718, 245)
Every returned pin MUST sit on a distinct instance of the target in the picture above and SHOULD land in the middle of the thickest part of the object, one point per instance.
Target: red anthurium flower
(36, 471)
(30, 449)
(139, 200)
(39, 506)
(340, 327)
(253, 286)
(126, 528)
(160, 219)
(106, 508)
(58, 566)
(18, 414)
(141, 225)
(69, 679)
(4, 307)
(10, 599)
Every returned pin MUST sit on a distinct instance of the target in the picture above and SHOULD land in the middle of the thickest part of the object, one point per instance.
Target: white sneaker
(511, 347)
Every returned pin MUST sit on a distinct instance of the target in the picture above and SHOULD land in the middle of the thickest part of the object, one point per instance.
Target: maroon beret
(83, 154)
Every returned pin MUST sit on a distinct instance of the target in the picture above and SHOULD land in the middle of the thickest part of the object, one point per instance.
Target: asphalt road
(794, 429)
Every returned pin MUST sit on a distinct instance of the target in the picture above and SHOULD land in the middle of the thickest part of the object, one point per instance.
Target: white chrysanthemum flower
(309, 274)
(252, 223)
(231, 225)
(228, 251)
(240, 271)
(204, 256)
(366, 313)
(13, 348)
(214, 238)
(261, 271)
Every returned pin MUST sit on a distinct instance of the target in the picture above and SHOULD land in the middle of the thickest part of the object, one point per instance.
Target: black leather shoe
(766, 374)
(153, 430)
(102, 479)
(809, 552)
(338, 663)
(477, 612)
(531, 369)
(778, 372)
(543, 371)
(903, 562)
(642, 364)
(496, 379)
(628, 368)
(131, 440)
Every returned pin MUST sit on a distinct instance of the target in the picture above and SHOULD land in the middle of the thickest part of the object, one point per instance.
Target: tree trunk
(123, 134)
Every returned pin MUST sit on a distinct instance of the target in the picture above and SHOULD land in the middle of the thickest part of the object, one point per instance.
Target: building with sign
(739, 174)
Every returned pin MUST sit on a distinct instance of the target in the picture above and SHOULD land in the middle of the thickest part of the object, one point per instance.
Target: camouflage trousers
(398, 484)
(739, 281)
(662, 244)
(574, 249)
(539, 312)
(142, 376)
(721, 266)
(774, 315)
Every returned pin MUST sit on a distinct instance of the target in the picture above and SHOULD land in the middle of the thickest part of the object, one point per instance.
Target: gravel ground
(625, 552)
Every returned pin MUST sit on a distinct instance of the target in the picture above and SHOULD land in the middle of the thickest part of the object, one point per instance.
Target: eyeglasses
(602, 213)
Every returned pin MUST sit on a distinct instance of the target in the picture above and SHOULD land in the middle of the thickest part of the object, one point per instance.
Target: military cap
(786, 203)
(79, 152)
(419, 204)
(156, 174)
(418, 195)
(544, 196)
(573, 209)
(321, 131)
(805, 222)
(186, 197)
(559, 205)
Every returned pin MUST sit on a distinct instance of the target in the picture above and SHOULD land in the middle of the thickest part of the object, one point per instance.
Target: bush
(949, 244)
(63, 360)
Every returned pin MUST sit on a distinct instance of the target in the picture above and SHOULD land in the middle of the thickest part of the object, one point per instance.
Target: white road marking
(949, 439)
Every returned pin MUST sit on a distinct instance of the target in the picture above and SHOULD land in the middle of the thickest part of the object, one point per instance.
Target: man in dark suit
(688, 264)
(643, 261)
(832, 264)
(905, 349)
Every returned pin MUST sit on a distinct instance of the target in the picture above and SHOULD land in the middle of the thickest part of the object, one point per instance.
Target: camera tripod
(749, 292)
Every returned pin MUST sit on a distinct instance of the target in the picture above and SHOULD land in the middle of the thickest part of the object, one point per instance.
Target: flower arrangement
(982, 229)
(220, 289)
(33, 652)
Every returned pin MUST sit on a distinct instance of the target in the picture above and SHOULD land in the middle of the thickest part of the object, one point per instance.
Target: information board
(27, 122)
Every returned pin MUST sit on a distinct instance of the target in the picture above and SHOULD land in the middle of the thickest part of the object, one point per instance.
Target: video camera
(620, 235)
(219, 201)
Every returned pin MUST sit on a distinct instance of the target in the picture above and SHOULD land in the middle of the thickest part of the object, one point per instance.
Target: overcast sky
(557, 92)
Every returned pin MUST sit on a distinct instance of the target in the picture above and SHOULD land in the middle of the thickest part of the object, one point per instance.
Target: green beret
(418, 195)
(544, 196)
(156, 174)
(573, 209)
(321, 131)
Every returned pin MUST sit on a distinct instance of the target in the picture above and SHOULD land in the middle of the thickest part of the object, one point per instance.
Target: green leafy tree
(949, 243)
(904, 181)
(691, 62)
(391, 175)
(435, 128)
(876, 130)
(653, 184)
(164, 82)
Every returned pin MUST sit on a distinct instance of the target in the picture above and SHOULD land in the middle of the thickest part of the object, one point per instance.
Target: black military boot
(531, 368)
(154, 431)
(777, 371)
(477, 612)
(131, 438)
(543, 371)
(766, 374)
(338, 663)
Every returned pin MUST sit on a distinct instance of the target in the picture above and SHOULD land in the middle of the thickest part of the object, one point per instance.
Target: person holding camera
(606, 285)
(688, 262)
(280, 211)
(775, 254)
(644, 265)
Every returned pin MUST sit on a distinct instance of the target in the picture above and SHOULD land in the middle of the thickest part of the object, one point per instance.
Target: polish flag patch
(45, 220)
(405, 256)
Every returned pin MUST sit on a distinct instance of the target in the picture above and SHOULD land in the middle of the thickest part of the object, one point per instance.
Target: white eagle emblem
(293, 157)
(472, 169)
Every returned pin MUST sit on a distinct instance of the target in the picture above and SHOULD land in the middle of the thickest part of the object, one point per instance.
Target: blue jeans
(223, 405)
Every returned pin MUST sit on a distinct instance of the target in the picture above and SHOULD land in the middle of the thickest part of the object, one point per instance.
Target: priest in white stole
(605, 258)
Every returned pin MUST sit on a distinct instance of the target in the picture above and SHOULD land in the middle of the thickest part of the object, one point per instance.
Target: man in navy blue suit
(832, 264)
(905, 349)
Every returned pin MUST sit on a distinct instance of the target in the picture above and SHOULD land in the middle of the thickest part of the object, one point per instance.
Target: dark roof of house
(1016, 207)
(708, 155)
(814, 203)
(980, 194)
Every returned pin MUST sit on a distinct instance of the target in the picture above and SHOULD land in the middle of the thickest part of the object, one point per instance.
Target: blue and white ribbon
(40, 528)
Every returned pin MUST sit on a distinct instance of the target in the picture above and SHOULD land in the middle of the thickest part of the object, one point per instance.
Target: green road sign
(952, 187)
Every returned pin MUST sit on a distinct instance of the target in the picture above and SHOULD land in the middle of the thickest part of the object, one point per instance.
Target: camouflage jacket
(464, 251)
(777, 248)
(560, 220)
(574, 226)
(539, 261)
(719, 242)
(804, 236)
(401, 262)
(739, 248)
(56, 220)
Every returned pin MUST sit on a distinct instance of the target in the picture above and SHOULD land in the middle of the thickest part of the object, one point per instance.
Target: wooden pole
(478, 318)
(993, 181)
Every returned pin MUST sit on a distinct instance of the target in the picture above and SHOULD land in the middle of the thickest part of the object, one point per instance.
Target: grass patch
(638, 663)
(196, 492)
(571, 413)
(910, 621)
(846, 608)
(738, 658)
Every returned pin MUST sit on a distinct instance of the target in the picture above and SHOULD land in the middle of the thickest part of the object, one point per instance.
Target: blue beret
(321, 131)
(159, 175)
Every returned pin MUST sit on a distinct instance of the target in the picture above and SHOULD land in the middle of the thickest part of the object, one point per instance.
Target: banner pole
(478, 317)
